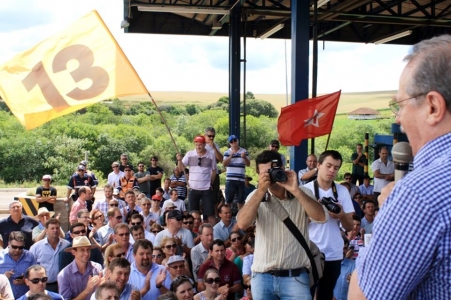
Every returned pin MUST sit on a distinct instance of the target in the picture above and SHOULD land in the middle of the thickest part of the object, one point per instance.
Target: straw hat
(44, 210)
(80, 241)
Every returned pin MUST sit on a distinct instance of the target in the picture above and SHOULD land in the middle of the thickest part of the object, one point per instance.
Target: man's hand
(385, 192)
(291, 184)
(8, 274)
(224, 290)
(93, 282)
(135, 295)
(161, 277)
(339, 215)
(264, 182)
(179, 156)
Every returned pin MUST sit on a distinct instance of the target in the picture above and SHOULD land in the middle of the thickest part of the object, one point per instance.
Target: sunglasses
(236, 239)
(36, 280)
(17, 247)
(137, 223)
(178, 267)
(171, 246)
(211, 136)
(114, 205)
(188, 223)
(247, 287)
(122, 234)
(80, 231)
(275, 146)
(97, 217)
(120, 255)
(233, 141)
(154, 231)
(199, 160)
(156, 256)
(118, 218)
(211, 280)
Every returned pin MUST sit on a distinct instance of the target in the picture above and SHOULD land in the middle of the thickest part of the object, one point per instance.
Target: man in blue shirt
(36, 280)
(14, 261)
(419, 265)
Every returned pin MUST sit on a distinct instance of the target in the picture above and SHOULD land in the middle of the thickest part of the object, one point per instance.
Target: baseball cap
(232, 137)
(199, 139)
(81, 167)
(174, 259)
(156, 197)
(175, 214)
(83, 163)
(116, 192)
(47, 177)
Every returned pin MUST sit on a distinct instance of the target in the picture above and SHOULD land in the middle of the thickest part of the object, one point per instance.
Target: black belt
(287, 273)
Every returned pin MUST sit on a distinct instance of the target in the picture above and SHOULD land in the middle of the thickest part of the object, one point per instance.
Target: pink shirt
(76, 207)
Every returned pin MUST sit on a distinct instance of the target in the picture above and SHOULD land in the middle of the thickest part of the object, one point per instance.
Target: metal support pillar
(300, 29)
(234, 70)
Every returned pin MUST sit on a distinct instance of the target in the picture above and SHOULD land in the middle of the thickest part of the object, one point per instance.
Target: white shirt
(379, 183)
(179, 203)
(113, 178)
(327, 235)
(184, 234)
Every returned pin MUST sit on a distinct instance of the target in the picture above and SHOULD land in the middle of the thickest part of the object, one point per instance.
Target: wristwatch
(159, 286)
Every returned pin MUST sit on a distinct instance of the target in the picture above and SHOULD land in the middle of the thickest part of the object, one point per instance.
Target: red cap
(199, 139)
(156, 197)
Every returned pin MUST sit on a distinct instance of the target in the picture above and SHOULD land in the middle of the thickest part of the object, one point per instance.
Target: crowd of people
(140, 243)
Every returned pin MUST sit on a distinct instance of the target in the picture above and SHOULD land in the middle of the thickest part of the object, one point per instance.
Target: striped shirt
(200, 169)
(275, 246)
(181, 190)
(237, 167)
(417, 216)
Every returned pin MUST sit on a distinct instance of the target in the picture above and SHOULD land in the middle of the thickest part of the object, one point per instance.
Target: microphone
(402, 156)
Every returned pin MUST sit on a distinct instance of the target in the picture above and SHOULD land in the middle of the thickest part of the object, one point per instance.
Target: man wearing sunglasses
(65, 258)
(274, 145)
(212, 147)
(236, 159)
(105, 233)
(14, 261)
(36, 280)
(202, 174)
(46, 194)
(122, 237)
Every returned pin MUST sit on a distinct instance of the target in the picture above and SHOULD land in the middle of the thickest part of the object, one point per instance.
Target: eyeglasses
(177, 267)
(115, 166)
(188, 223)
(97, 217)
(211, 280)
(236, 239)
(199, 160)
(137, 223)
(233, 141)
(118, 217)
(36, 280)
(211, 136)
(114, 205)
(17, 247)
(120, 254)
(80, 231)
(394, 105)
(171, 246)
(247, 287)
(146, 204)
(156, 256)
(122, 234)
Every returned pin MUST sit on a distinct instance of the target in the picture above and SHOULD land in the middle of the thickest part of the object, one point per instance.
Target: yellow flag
(74, 69)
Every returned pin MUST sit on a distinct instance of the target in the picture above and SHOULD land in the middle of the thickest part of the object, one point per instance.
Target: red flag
(307, 119)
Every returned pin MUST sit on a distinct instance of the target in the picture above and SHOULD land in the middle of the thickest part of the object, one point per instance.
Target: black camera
(276, 173)
(330, 204)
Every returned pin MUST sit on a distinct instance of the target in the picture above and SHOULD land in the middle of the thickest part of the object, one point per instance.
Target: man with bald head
(308, 174)
(420, 268)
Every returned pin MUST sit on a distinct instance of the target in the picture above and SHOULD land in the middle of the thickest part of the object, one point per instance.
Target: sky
(200, 64)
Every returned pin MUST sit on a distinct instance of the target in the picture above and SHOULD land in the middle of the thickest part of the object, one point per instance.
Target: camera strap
(316, 187)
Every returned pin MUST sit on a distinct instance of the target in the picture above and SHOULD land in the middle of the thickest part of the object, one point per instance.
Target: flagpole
(328, 139)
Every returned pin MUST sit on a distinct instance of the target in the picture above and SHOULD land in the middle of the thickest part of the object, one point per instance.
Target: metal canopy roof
(362, 21)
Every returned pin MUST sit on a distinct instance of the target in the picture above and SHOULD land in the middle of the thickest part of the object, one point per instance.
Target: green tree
(250, 95)
(259, 108)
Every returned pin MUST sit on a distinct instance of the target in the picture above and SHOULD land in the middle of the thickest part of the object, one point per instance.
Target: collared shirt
(379, 183)
(237, 166)
(7, 263)
(104, 206)
(76, 207)
(37, 230)
(356, 168)
(327, 236)
(301, 173)
(26, 225)
(366, 190)
(147, 235)
(126, 292)
(184, 234)
(137, 279)
(150, 217)
(179, 203)
(342, 285)
(72, 283)
(52, 295)
(419, 204)
(104, 233)
(272, 237)
(129, 254)
(47, 257)
(228, 274)
(198, 256)
(200, 175)
(222, 231)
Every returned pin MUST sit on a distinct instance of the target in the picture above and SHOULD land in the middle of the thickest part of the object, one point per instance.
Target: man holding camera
(276, 265)
(327, 236)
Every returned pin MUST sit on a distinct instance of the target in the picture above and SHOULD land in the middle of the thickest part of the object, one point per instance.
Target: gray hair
(210, 129)
(15, 202)
(106, 286)
(433, 70)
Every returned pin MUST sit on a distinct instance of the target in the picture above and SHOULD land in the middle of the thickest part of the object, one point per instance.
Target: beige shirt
(275, 246)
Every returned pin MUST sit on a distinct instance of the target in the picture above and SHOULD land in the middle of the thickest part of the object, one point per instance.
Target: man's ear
(436, 107)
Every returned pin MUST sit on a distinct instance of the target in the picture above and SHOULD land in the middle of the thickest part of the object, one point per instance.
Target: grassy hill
(348, 101)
